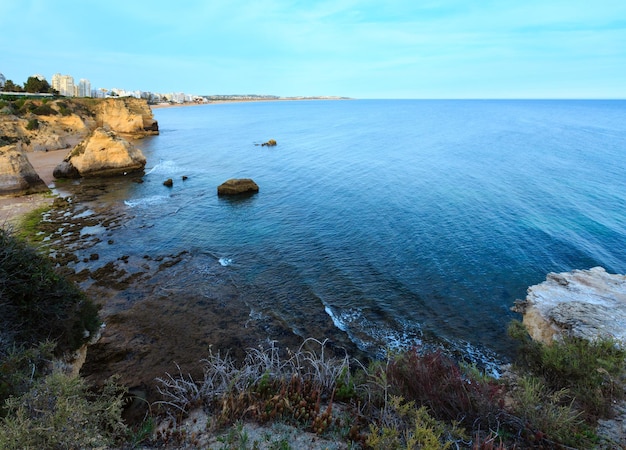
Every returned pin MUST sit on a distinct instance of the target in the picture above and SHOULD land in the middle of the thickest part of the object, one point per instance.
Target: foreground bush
(43, 315)
(37, 304)
(411, 400)
(20, 368)
(589, 372)
(59, 412)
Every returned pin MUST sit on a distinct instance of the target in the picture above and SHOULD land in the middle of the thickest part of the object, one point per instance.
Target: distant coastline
(244, 99)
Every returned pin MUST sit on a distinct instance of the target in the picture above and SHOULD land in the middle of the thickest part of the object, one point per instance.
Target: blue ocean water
(401, 220)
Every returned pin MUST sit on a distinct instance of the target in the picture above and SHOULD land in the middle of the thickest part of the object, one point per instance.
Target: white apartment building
(64, 84)
(84, 88)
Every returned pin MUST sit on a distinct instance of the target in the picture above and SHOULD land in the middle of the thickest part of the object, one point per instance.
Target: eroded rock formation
(17, 176)
(236, 186)
(103, 153)
(63, 123)
(589, 304)
(127, 115)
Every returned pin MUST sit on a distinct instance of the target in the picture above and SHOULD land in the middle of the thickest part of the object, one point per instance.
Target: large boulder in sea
(237, 186)
(588, 304)
(102, 153)
(17, 176)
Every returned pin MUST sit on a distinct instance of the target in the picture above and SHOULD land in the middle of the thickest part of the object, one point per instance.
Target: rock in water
(588, 304)
(17, 176)
(103, 153)
(236, 186)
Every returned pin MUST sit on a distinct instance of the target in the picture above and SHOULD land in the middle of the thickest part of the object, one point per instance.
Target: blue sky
(361, 49)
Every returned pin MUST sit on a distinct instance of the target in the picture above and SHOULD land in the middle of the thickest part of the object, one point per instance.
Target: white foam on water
(96, 229)
(85, 213)
(343, 320)
(146, 201)
(225, 262)
(166, 167)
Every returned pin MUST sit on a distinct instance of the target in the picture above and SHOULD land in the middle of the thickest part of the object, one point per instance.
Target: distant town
(66, 86)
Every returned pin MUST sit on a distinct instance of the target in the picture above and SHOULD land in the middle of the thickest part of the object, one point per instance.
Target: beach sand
(13, 208)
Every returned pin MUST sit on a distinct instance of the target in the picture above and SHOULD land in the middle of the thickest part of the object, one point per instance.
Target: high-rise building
(2, 80)
(84, 88)
(64, 84)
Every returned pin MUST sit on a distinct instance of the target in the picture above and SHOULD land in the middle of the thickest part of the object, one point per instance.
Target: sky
(352, 48)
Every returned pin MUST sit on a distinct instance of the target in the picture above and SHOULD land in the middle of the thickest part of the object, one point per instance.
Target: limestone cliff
(42, 127)
(129, 116)
(63, 123)
(589, 304)
(102, 153)
(17, 176)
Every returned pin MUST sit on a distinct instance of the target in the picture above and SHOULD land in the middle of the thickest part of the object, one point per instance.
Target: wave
(378, 339)
(146, 201)
(371, 336)
(225, 262)
(167, 167)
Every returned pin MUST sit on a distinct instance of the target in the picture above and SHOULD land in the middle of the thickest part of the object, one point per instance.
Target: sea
(400, 223)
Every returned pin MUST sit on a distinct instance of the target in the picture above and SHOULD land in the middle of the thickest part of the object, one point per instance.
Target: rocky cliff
(589, 304)
(42, 125)
(129, 116)
(17, 176)
(102, 153)
(63, 123)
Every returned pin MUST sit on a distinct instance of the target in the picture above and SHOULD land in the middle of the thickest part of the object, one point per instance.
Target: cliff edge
(588, 304)
(127, 115)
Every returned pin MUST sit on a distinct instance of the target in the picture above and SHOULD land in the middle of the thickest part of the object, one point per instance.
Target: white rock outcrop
(589, 304)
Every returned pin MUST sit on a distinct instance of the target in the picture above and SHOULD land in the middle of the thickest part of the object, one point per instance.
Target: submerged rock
(588, 304)
(236, 186)
(17, 176)
(169, 182)
(103, 153)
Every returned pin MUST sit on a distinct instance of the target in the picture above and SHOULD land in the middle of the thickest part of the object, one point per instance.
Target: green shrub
(19, 103)
(37, 304)
(20, 367)
(413, 428)
(59, 412)
(33, 124)
(548, 415)
(44, 110)
(591, 372)
(63, 109)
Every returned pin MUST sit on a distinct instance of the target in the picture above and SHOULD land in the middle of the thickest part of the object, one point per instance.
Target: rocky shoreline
(36, 136)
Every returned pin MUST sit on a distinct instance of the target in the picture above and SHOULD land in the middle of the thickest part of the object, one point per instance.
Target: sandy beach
(12, 208)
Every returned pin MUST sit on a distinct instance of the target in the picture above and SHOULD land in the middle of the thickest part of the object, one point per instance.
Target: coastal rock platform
(588, 304)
